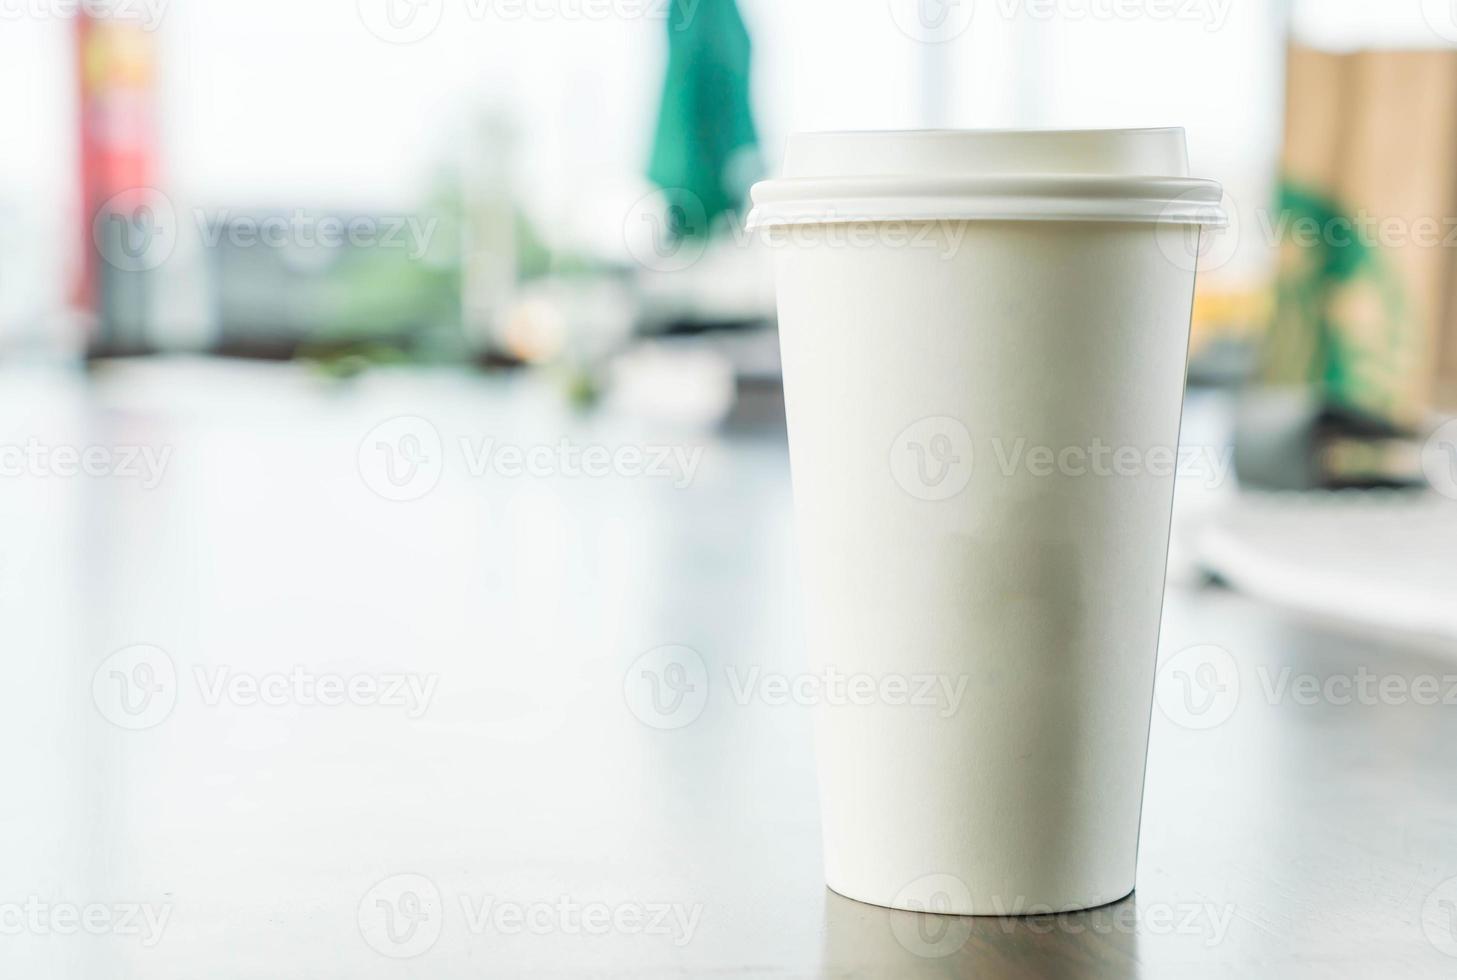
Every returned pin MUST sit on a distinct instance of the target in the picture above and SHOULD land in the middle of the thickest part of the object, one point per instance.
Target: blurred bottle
(490, 268)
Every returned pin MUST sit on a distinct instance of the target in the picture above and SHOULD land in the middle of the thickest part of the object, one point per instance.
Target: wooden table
(526, 812)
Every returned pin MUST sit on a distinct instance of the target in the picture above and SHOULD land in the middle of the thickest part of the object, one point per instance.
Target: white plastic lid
(1135, 175)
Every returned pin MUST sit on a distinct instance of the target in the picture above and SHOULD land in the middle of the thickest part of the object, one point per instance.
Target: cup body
(983, 426)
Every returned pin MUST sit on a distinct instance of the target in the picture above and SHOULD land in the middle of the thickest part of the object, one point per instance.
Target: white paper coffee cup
(984, 339)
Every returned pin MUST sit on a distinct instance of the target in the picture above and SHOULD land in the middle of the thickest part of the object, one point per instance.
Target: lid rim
(1106, 132)
(1026, 197)
(1081, 174)
(912, 185)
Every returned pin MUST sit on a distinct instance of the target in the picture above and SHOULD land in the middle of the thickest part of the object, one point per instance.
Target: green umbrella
(705, 152)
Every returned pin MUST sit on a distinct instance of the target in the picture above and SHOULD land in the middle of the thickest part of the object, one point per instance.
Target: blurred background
(206, 205)
(368, 336)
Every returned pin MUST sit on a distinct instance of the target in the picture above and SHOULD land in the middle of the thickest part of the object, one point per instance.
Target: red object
(116, 73)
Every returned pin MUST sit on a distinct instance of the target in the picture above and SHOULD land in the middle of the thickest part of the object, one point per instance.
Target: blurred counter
(303, 534)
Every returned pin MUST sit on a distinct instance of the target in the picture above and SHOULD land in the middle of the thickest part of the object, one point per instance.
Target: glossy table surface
(262, 721)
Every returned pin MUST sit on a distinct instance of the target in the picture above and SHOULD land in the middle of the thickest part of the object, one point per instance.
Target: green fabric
(1356, 367)
(705, 150)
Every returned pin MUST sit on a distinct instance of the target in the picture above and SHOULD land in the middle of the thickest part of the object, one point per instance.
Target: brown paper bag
(1365, 306)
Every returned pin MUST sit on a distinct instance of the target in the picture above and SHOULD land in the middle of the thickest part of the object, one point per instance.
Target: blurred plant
(705, 152)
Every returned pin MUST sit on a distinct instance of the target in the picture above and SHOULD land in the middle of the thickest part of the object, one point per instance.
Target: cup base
(947, 902)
